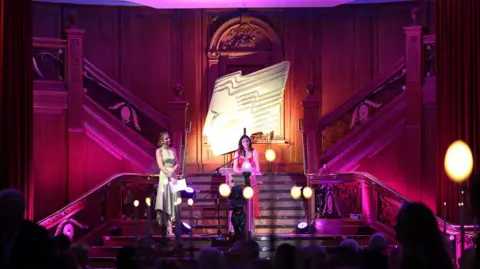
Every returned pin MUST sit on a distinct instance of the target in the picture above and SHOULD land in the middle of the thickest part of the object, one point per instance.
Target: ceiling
(186, 4)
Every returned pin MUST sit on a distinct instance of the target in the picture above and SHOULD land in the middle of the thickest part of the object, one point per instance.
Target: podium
(234, 178)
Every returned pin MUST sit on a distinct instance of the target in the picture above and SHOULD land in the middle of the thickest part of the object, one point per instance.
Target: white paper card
(181, 185)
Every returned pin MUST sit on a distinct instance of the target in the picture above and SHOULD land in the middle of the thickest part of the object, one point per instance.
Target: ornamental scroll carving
(244, 34)
(244, 37)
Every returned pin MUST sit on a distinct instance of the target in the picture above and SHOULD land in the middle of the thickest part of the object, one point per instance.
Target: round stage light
(270, 155)
(136, 203)
(458, 161)
(296, 192)
(307, 192)
(189, 193)
(190, 201)
(302, 227)
(147, 201)
(186, 228)
(224, 190)
(179, 200)
(248, 192)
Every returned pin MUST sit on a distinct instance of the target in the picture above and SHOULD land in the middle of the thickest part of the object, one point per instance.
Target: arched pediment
(245, 34)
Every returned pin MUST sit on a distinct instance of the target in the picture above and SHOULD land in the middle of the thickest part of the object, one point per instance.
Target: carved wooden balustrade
(357, 194)
(50, 66)
(112, 199)
(429, 55)
(361, 107)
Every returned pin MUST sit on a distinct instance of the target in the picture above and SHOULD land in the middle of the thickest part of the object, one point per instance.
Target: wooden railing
(378, 205)
(372, 98)
(108, 200)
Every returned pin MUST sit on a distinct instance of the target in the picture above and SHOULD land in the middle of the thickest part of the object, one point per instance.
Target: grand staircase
(279, 215)
(105, 217)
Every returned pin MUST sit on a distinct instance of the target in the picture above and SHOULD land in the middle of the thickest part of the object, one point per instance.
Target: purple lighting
(186, 4)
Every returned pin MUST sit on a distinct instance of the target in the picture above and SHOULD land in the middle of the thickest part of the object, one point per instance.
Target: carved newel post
(178, 121)
(76, 130)
(311, 137)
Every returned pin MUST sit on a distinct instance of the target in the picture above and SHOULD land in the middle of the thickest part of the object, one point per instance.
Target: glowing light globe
(179, 200)
(248, 192)
(295, 192)
(136, 203)
(307, 192)
(147, 201)
(190, 201)
(458, 161)
(246, 166)
(270, 155)
(224, 190)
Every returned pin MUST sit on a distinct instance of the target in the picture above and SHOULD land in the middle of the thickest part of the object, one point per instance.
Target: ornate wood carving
(245, 43)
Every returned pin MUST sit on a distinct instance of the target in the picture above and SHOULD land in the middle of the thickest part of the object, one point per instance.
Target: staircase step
(283, 212)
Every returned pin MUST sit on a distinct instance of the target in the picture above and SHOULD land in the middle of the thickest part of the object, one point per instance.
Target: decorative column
(413, 59)
(76, 130)
(178, 122)
(414, 79)
(311, 135)
(311, 117)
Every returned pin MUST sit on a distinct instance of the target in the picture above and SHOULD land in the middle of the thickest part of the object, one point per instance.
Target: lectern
(234, 178)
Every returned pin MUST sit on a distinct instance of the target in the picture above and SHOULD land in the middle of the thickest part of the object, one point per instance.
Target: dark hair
(240, 146)
(161, 136)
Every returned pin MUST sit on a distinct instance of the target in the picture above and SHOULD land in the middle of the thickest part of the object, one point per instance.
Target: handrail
(373, 181)
(127, 95)
(76, 205)
(361, 95)
(54, 43)
(429, 39)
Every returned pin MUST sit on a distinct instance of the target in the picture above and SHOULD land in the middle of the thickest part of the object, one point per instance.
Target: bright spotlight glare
(270, 155)
(458, 161)
(248, 192)
(224, 190)
(295, 192)
(307, 192)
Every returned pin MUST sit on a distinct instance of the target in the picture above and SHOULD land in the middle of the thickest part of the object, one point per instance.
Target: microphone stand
(216, 172)
(225, 164)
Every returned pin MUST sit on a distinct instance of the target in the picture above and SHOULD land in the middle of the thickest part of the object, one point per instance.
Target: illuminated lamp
(296, 192)
(248, 192)
(224, 190)
(458, 161)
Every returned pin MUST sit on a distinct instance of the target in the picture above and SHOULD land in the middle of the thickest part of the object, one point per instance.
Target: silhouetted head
(244, 143)
(284, 257)
(164, 139)
(416, 225)
(211, 258)
(12, 205)
(378, 242)
(63, 242)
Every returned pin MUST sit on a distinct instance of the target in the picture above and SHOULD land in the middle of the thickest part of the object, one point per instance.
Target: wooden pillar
(178, 123)
(311, 117)
(311, 137)
(413, 129)
(76, 130)
(414, 61)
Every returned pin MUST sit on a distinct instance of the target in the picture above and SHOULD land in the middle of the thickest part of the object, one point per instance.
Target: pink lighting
(187, 4)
